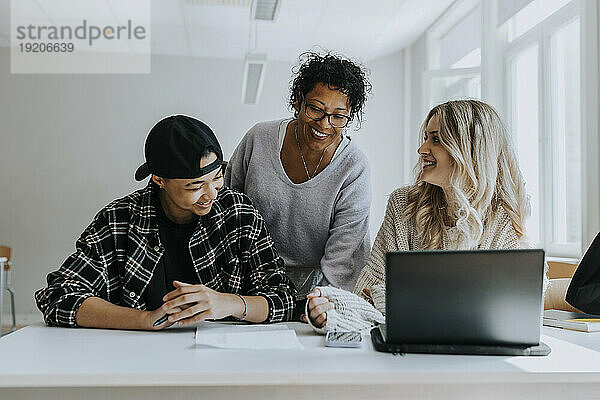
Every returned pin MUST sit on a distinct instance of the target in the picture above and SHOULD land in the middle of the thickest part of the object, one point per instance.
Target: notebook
(572, 320)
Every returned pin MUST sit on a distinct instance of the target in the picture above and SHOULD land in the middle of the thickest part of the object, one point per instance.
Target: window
(460, 47)
(536, 62)
(459, 86)
(566, 131)
(543, 61)
(532, 14)
(454, 52)
(471, 59)
(525, 126)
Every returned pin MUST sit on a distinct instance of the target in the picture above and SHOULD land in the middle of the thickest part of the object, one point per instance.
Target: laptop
(463, 302)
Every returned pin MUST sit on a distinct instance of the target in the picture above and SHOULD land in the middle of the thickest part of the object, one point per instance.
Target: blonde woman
(469, 193)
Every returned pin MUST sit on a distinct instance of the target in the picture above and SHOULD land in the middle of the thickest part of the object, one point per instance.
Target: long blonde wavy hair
(485, 176)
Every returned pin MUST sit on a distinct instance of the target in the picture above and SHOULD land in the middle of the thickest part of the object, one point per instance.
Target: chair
(558, 269)
(560, 274)
(6, 252)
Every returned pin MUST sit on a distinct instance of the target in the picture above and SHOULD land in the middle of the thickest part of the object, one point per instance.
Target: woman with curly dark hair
(308, 179)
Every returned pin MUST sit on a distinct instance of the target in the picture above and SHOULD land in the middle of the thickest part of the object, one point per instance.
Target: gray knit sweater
(321, 222)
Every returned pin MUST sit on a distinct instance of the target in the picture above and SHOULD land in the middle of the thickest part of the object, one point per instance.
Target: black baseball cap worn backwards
(174, 147)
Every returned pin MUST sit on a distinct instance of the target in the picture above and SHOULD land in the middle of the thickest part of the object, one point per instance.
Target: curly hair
(337, 72)
(485, 177)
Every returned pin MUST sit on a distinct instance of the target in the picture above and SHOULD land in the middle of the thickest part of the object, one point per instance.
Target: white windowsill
(568, 260)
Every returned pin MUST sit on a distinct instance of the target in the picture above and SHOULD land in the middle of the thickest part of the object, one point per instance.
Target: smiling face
(317, 135)
(435, 159)
(183, 200)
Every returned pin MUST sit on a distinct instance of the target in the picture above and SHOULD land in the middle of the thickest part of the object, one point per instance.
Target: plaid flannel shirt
(116, 255)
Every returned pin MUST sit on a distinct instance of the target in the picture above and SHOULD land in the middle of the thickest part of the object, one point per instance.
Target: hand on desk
(188, 304)
(317, 308)
(95, 312)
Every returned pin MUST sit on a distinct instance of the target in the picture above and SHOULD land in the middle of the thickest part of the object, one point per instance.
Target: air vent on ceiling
(254, 75)
(265, 10)
(223, 3)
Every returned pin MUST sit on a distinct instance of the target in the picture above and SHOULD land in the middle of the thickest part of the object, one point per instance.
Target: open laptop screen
(484, 297)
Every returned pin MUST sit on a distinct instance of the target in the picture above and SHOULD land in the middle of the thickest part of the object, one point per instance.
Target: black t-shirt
(176, 263)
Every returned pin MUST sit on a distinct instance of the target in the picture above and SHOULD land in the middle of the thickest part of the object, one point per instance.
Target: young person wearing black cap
(184, 247)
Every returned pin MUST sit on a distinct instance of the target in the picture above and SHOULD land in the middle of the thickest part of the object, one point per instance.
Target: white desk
(38, 362)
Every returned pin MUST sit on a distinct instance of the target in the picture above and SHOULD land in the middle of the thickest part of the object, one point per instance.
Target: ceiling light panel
(223, 3)
(254, 76)
(265, 10)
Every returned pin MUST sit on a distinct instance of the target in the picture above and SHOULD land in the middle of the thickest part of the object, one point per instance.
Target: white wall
(419, 103)
(69, 144)
(381, 136)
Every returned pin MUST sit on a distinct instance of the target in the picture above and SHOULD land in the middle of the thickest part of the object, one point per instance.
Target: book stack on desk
(572, 320)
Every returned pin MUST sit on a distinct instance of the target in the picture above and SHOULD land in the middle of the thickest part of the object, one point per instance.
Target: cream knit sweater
(352, 310)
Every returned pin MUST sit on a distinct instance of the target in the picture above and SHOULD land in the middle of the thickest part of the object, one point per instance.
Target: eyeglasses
(317, 114)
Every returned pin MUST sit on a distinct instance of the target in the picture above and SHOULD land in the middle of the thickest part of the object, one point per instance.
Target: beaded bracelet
(245, 307)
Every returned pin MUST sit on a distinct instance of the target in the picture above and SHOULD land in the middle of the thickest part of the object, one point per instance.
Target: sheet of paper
(252, 337)
(225, 327)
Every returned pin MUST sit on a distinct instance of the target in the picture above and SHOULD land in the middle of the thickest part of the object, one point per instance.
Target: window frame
(541, 35)
(430, 75)
(442, 25)
(448, 20)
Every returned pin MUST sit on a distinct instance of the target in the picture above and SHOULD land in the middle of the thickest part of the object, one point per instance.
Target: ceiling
(363, 29)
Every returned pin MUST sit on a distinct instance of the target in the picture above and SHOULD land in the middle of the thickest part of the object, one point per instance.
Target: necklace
(302, 155)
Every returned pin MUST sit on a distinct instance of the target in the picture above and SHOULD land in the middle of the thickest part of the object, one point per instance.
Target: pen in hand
(164, 318)
(161, 320)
